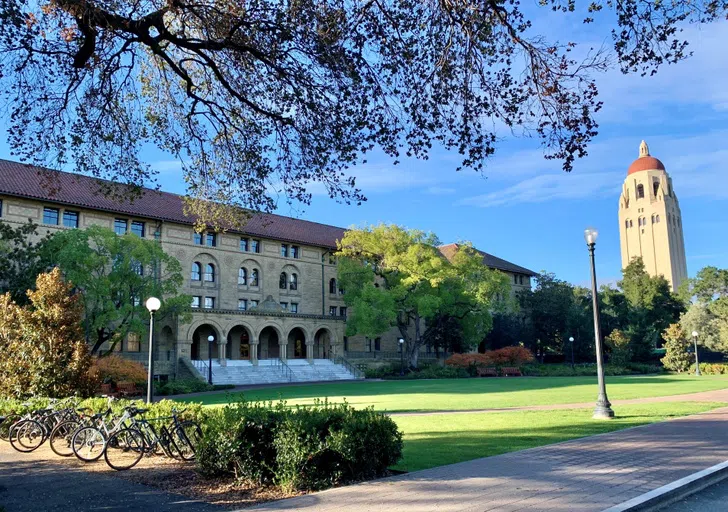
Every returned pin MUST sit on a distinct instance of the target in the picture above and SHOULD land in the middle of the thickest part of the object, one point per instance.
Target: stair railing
(201, 366)
(337, 359)
(284, 369)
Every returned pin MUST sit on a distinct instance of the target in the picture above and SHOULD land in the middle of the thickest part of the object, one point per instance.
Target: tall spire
(644, 149)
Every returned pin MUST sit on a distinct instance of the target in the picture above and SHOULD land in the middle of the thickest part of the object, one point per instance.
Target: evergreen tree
(677, 355)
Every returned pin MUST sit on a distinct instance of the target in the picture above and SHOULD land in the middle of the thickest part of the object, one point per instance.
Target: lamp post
(210, 339)
(401, 356)
(571, 342)
(697, 363)
(603, 409)
(153, 304)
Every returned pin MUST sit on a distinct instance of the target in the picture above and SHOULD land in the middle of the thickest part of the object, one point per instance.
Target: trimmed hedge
(434, 371)
(184, 386)
(565, 370)
(506, 356)
(711, 368)
(299, 449)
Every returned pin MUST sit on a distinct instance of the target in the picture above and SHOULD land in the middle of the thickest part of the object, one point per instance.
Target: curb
(674, 491)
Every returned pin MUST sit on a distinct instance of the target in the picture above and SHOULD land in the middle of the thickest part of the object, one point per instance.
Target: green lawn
(439, 439)
(469, 394)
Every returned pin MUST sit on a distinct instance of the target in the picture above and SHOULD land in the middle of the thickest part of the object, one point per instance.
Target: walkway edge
(674, 491)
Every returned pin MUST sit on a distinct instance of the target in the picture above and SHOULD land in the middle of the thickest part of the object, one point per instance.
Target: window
(333, 310)
(137, 267)
(369, 345)
(342, 311)
(196, 302)
(196, 274)
(626, 223)
(655, 187)
(242, 276)
(346, 343)
(197, 238)
(332, 259)
(332, 286)
(50, 216)
(294, 282)
(137, 228)
(243, 244)
(253, 303)
(133, 342)
(515, 279)
(242, 304)
(255, 246)
(1, 207)
(284, 250)
(341, 291)
(630, 223)
(283, 281)
(640, 191)
(136, 300)
(210, 273)
(294, 307)
(378, 344)
(284, 305)
(254, 277)
(657, 218)
(295, 252)
(70, 219)
(211, 239)
(120, 226)
(209, 302)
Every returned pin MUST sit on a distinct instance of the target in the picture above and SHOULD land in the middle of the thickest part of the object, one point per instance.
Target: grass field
(438, 439)
(469, 394)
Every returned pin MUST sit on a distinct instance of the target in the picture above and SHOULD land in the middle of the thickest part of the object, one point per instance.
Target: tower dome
(645, 162)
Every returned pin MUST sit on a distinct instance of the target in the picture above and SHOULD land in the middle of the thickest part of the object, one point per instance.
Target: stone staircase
(244, 373)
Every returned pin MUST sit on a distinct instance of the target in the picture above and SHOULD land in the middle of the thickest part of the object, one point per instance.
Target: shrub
(585, 370)
(299, 449)
(506, 356)
(182, 386)
(677, 355)
(114, 369)
(711, 368)
(618, 343)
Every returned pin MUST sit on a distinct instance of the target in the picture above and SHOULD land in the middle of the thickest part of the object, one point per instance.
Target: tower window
(640, 191)
(657, 218)
(626, 223)
(655, 187)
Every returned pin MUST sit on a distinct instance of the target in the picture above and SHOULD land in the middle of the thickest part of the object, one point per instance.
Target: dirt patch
(170, 476)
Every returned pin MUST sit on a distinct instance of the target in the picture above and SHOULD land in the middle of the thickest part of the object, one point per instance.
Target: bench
(106, 389)
(125, 389)
(511, 372)
(486, 371)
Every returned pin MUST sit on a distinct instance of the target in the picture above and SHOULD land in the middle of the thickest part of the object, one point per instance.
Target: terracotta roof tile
(489, 260)
(31, 182)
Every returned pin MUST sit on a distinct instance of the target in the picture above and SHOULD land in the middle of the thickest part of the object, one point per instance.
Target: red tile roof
(21, 180)
(489, 260)
(645, 163)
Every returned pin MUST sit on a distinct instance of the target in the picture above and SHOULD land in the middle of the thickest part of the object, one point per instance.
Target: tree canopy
(115, 275)
(22, 259)
(253, 94)
(708, 314)
(395, 277)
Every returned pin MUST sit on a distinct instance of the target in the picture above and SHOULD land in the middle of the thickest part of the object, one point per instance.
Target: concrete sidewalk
(582, 475)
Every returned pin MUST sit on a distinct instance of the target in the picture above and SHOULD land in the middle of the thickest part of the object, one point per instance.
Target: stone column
(254, 351)
(184, 348)
(309, 352)
(283, 351)
(221, 356)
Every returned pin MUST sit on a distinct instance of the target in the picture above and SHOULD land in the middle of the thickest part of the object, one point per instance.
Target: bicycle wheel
(8, 422)
(61, 437)
(187, 435)
(168, 445)
(124, 449)
(88, 444)
(27, 435)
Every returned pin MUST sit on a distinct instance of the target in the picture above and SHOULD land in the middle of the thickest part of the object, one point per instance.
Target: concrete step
(267, 372)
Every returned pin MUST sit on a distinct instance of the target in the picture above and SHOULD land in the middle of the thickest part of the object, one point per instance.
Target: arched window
(655, 187)
(254, 277)
(196, 272)
(210, 273)
(332, 286)
(294, 282)
(640, 191)
(626, 223)
(242, 276)
(630, 223)
(283, 281)
(657, 218)
(653, 218)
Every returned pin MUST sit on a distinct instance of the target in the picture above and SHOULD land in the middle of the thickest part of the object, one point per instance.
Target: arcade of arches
(241, 344)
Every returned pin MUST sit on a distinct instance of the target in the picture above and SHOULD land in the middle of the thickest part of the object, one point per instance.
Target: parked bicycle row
(122, 438)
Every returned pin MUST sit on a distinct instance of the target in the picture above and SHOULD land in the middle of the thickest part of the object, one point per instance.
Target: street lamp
(210, 339)
(697, 363)
(401, 356)
(603, 409)
(153, 304)
(571, 342)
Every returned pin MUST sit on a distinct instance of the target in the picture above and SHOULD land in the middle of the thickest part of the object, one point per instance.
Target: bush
(586, 370)
(711, 368)
(618, 344)
(114, 369)
(507, 356)
(677, 349)
(299, 449)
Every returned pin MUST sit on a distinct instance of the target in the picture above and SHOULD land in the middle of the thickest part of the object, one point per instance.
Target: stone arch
(197, 323)
(296, 341)
(200, 346)
(324, 340)
(165, 346)
(239, 341)
(269, 338)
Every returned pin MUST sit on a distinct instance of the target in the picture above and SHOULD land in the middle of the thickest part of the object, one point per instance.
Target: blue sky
(525, 209)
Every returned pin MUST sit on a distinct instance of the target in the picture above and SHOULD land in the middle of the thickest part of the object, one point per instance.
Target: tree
(44, 352)
(394, 277)
(295, 92)
(115, 275)
(618, 343)
(708, 314)
(21, 259)
(700, 319)
(652, 308)
(677, 349)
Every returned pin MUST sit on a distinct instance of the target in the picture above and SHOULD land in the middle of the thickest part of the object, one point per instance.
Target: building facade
(650, 221)
(265, 292)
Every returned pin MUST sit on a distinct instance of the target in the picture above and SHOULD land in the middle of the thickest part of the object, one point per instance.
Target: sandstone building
(650, 222)
(267, 293)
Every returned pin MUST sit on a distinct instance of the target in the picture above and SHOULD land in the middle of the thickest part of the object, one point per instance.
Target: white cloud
(440, 191)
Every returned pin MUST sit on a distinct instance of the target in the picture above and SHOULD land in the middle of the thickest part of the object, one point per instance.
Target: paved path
(718, 395)
(584, 475)
(31, 485)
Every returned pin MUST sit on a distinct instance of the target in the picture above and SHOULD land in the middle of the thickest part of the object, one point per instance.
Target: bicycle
(33, 428)
(88, 443)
